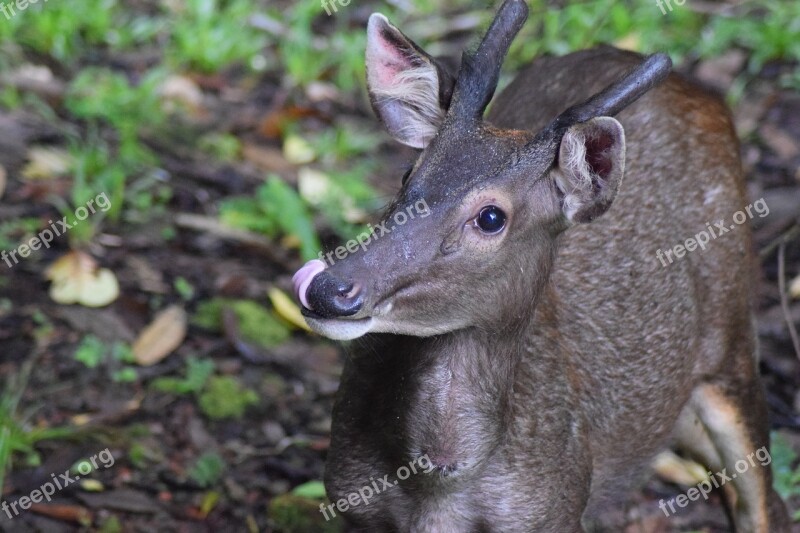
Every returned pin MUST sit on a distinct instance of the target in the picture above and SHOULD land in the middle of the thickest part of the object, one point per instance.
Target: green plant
(62, 29)
(208, 469)
(91, 351)
(197, 373)
(225, 397)
(218, 396)
(102, 95)
(276, 209)
(769, 29)
(257, 324)
(107, 99)
(17, 434)
(184, 288)
(786, 470)
(209, 34)
(222, 146)
(308, 58)
(118, 357)
(14, 232)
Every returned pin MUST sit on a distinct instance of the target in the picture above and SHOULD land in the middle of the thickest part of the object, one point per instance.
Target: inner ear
(408, 89)
(598, 144)
(591, 164)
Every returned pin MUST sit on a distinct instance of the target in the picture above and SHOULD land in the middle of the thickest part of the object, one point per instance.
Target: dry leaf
(286, 308)
(180, 92)
(297, 150)
(265, 158)
(46, 162)
(77, 279)
(314, 186)
(3, 180)
(632, 41)
(164, 334)
(91, 485)
(794, 288)
(678, 470)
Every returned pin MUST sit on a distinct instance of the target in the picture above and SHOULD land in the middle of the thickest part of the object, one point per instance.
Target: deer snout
(324, 293)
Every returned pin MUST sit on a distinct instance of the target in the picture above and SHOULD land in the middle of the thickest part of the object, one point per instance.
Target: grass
(17, 434)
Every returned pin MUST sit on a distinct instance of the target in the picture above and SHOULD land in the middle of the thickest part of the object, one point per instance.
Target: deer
(523, 337)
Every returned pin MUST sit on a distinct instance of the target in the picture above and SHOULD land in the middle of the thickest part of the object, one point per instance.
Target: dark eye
(491, 219)
(406, 175)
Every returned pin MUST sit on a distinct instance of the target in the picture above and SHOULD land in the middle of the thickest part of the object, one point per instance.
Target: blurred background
(201, 151)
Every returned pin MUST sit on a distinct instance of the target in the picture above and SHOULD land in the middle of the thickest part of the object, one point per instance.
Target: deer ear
(408, 89)
(591, 162)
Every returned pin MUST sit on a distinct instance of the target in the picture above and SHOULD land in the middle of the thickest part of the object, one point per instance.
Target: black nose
(331, 297)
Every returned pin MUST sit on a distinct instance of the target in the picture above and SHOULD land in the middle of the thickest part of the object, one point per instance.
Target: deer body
(541, 380)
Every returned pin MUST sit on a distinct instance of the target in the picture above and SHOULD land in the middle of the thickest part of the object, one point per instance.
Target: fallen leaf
(77, 280)
(632, 41)
(46, 162)
(273, 124)
(678, 470)
(286, 308)
(65, 513)
(317, 187)
(314, 186)
(164, 334)
(180, 92)
(266, 158)
(92, 485)
(794, 288)
(297, 150)
(3, 180)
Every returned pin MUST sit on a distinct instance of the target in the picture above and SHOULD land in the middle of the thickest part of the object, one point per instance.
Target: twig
(214, 227)
(790, 234)
(785, 297)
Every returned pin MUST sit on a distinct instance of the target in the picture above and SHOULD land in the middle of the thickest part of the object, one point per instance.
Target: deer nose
(331, 297)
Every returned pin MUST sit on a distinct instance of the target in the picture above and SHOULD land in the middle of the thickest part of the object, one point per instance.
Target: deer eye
(491, 219)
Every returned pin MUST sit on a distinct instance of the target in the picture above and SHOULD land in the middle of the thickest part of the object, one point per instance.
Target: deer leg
(728, 432)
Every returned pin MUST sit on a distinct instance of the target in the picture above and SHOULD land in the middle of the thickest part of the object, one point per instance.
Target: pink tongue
(302, 279)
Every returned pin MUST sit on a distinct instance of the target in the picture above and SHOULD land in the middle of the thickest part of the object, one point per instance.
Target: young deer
(523, 337)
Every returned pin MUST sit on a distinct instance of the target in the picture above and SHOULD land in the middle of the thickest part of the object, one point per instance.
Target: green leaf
(314, 490)
(786, 473)
(91, 351)
(257, 324)
(225, 397)
(197, 373)
(289, 212)
(208, 469)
